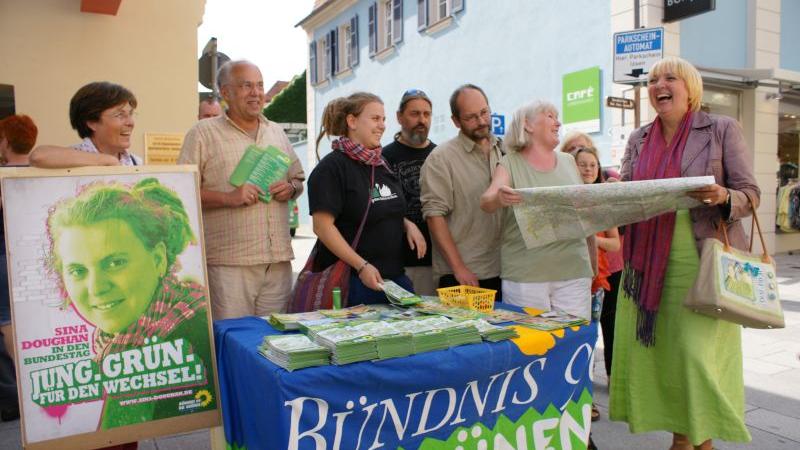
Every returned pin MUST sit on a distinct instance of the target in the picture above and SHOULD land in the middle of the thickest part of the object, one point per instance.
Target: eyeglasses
(483, 114)
(249, 86)
(123, 115)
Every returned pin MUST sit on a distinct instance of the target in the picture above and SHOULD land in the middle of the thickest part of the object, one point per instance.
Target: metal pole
(214, 64)
(637, 97)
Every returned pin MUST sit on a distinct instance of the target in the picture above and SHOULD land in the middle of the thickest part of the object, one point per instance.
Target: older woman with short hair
(674, 369)
(103, 115)
(553, 276)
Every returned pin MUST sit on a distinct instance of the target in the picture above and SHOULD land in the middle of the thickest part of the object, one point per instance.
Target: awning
(784, 79)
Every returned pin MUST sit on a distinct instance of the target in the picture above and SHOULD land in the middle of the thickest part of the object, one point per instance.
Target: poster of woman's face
(109, 301)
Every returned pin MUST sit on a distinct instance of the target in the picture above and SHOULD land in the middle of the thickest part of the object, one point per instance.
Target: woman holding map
(347, 181)
(676, 370)
(555, 276)
(114, 249)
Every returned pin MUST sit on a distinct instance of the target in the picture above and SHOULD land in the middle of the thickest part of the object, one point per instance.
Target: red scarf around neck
(648, 243)
(357, 152)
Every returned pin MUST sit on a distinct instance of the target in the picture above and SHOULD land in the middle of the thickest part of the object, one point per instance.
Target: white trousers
(570, 296)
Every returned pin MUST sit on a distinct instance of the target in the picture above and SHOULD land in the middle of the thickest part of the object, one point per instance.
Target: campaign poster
(109, 305)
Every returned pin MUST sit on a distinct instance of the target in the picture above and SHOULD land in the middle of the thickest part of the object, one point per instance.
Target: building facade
(521, 50)
(50, 48)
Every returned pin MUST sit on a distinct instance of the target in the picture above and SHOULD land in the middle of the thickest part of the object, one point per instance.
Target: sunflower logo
(204, 397)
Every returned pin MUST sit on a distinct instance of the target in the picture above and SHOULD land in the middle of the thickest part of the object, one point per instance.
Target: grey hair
(224, 72)
(516, 137)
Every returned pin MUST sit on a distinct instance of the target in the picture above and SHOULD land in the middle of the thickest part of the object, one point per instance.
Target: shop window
(725, 102)
(789, 140)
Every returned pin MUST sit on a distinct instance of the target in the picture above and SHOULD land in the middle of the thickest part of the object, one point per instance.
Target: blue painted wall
(790, 35)
(516, 50)
(301, 149)
(717, 38)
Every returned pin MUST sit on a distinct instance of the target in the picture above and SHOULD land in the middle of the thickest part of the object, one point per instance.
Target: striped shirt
(248, 235)
(125, 159)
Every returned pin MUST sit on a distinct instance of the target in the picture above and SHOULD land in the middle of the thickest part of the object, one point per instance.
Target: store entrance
(787, 219)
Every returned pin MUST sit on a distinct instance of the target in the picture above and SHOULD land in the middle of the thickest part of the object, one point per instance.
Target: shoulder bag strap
(756, 228)
(366, 213)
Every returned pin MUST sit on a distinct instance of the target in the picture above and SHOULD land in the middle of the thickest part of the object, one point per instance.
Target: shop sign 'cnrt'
(635, 52)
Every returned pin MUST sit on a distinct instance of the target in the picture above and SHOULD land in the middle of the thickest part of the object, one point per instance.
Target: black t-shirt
(341, 186)
(407, 162)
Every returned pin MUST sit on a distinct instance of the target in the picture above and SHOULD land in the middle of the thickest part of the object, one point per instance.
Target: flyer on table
(109, 301)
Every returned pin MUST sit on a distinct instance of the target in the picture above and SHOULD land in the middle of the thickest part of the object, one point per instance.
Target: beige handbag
(737, 286)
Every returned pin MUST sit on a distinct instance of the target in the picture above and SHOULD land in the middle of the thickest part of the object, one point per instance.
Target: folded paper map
(556, 213)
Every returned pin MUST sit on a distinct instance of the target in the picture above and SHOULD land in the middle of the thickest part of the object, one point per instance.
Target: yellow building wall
(49, 49)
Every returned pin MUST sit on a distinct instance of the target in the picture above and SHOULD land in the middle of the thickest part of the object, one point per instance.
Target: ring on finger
(707, 201)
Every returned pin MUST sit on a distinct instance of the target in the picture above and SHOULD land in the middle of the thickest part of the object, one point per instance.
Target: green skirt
(690, 382)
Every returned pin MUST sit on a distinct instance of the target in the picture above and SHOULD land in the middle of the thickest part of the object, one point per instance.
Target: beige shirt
(452, 180)
(248, 235)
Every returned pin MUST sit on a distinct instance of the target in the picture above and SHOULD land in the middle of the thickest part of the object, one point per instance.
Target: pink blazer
(715, 147)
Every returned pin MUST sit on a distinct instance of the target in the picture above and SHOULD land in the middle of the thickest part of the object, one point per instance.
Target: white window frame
(344, 47)
(436, 11)
(387, 22)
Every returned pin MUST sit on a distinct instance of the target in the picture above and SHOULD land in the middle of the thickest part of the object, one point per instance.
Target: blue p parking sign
(498, 124)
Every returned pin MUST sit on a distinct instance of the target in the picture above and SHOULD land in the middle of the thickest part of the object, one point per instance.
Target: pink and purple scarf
(647, 244)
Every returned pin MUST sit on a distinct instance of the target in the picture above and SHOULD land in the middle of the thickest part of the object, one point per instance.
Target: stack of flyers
(399, 296)
(431, 305)
(347, 344)
(458, 332)
(391, 342)
(285, 322)
(493, 333)
(504, 315)
(395, 313)
(352, 312)
(311, 327)
(294, 351)
(551, 320)
(426, 337)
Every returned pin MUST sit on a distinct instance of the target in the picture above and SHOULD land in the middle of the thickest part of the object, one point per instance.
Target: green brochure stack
(261, 167)
(294, 351)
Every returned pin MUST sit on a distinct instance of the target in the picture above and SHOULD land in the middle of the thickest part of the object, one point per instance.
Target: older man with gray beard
(406, 155)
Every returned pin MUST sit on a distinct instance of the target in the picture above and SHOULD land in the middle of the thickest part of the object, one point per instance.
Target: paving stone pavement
(771, 376)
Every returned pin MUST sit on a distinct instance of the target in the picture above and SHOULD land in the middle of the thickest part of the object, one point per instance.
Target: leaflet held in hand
(261, 167)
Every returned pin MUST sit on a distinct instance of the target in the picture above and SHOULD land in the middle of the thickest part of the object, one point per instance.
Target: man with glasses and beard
(406, 155)
(466, 240)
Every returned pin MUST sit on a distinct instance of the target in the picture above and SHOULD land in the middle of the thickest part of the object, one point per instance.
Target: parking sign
(635, 52)
(498, 124)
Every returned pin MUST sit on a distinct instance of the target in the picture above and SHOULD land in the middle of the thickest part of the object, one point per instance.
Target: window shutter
(333, 37)
(422, 14)
(373, 29)
(457, 5)
(397, 21)
(327, 63)
(354, 41)
(312, 62)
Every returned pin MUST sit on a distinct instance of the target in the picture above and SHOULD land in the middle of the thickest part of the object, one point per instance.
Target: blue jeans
(358, 293)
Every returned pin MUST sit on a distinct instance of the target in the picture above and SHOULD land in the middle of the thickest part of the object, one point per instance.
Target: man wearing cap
(406, 155)
(466, 240)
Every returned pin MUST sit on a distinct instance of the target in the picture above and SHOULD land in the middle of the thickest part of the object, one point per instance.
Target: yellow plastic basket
(469, 297)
